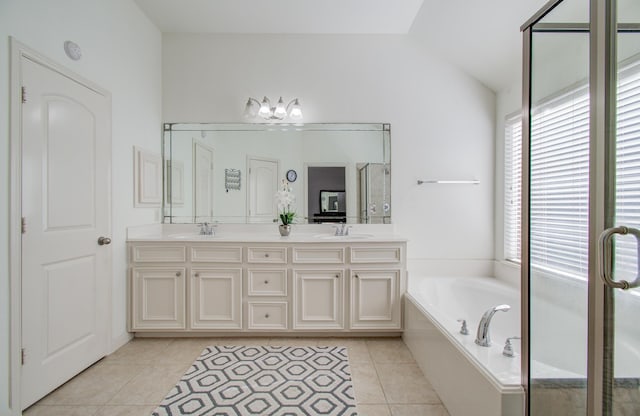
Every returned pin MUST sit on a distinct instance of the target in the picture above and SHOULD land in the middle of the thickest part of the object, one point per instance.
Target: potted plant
(285, 200)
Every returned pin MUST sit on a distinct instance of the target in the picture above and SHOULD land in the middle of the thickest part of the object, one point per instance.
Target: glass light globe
(281, 111)
(265, 108)
(296, 111)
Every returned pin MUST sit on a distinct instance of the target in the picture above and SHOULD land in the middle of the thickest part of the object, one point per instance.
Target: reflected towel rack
(467, 182)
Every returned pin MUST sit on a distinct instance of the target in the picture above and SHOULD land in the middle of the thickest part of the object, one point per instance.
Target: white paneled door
(66, 257)
(202, 182)
(263, 185)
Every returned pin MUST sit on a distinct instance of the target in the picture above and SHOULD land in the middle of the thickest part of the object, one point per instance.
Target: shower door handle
(605, 259)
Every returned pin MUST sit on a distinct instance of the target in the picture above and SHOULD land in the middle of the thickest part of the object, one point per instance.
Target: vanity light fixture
(279, 112)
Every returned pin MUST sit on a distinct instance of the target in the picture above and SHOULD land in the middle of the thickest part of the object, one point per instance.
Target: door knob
(103, 241)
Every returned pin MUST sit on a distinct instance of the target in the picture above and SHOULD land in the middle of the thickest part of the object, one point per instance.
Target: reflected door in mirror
(203, 181)
(263, 185)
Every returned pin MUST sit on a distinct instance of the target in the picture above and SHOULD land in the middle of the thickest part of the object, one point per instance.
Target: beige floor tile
(43, 410)
(141, 351)
(150, 386)
(184, 351)
(125, 410)
(418, 410)
(357, 348)
(368, 389)
(240, 341)
(94, 386)
(373, 410)
(294, 342)
(405, 384)
(391, 350)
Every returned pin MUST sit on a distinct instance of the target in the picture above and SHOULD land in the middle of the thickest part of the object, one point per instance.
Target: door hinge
(23, 356)
(23, 225)
(24, 95)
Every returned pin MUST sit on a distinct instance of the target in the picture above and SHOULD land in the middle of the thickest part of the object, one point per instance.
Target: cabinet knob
(357, 277)
(197, 275)
(178, 274)
(337, 276)
(266, 282)
(266, 315)
(266, 254)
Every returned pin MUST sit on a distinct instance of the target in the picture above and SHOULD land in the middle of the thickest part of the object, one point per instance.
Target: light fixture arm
(291, 103)
(252, 100)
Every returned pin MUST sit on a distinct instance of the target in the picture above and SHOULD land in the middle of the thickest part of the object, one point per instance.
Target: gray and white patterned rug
(266, 381)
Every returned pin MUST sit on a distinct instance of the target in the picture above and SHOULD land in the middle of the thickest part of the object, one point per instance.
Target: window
(628, 169)
(560, 175)
(512, 186)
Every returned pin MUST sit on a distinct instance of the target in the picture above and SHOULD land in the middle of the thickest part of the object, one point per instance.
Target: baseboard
(119, 341)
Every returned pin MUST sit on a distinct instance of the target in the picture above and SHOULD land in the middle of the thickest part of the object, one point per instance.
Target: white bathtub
(474, 380)
(470, 380)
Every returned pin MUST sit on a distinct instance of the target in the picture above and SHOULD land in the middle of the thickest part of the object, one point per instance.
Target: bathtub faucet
(482, 338)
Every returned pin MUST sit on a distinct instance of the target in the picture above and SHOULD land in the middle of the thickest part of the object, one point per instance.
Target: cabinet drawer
(267, 282)
(272, 255)
(333, 255)
(376, 254)
(267, 315)
(155, 253)
(216, 254)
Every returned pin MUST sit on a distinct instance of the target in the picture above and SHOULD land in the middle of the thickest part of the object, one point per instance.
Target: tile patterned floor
(134, 379)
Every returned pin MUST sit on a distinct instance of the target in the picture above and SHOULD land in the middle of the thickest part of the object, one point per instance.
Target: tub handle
(463, 328)
(508, 348)
(605, 257)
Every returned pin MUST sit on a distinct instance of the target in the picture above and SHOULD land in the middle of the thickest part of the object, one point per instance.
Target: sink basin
(343, 237)
(191, 236)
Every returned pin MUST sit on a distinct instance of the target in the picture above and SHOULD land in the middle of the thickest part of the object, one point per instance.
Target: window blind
(628, 169)
(512, 186)
(559, 184)
(560, 175)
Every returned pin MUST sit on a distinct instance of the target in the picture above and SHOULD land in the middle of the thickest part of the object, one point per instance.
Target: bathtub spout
(482, 337)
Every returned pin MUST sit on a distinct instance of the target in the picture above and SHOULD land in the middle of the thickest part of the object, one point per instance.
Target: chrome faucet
(342, 229)
(206, 228)
(482, 337)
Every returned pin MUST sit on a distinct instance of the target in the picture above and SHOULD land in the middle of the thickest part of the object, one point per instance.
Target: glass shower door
(582, 352)
(559, 211)
(620, 244)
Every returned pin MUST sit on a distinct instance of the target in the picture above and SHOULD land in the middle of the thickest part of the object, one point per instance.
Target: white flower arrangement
(285, 199)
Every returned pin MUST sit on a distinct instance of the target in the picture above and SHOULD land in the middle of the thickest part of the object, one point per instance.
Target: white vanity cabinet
(267, 301)
(319, 285)
(158, 298)
(215, 298)
(375, 299)
(266, 287)
(157, 289)
(376, 282)
(319, 299)
(215, 286)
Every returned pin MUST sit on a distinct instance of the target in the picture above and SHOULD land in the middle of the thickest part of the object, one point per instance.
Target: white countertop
(266, 233)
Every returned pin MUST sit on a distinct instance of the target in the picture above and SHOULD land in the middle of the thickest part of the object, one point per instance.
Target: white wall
(442, 120)
(122, 54)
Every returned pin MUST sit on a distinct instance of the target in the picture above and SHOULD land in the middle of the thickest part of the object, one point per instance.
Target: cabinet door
(318, 299)
(216, 298)
(375, 299)
(158, 298)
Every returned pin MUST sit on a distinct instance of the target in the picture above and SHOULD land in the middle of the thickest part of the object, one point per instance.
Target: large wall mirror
(230, 173)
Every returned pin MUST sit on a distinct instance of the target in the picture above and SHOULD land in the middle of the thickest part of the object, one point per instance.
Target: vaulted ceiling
(482, 38)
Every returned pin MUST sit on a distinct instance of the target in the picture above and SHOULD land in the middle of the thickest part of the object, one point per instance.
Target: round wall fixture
(72, 50)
